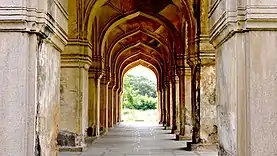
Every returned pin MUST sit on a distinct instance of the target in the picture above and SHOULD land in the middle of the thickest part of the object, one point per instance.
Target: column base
(182, 137)
(167, 127)
(71, 142)
(90, 140)
(73, 149)
(103, 131)
(222, 152)
(202, 147)
(175, 132)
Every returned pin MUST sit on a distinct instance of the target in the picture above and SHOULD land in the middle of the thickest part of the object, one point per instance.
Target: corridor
(138, 139)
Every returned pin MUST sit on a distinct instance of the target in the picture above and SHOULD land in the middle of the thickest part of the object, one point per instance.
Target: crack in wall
(37, 144)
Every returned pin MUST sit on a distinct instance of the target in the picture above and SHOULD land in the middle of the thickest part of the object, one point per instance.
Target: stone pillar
(195, 102)
(29, 78)
(103, 105)
(74, 103)
(208, 115)
(119, 95)
(164, 106)
(110, 105)
(177, 83)
(182, 105)
(94, 102)
(246, 76)
(115, 110)
(174, 107)
(168, 106)
(161, 106)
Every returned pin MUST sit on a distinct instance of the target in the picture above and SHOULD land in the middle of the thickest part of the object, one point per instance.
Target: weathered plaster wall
(230, 81)
(17, 94)
(262, 75)
(208, 114)
(29, 95)
(48, 99)
(58, 10)
(74, 102)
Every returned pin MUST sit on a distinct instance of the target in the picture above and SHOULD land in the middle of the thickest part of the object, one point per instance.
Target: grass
(131, 115)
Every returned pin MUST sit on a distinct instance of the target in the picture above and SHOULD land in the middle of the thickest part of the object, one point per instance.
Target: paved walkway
(138, 139)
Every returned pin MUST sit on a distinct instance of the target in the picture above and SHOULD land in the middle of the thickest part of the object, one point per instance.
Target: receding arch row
(109, 53)
(89, 17)
(141, 47)
(146, 65)
(160, 69)
(139, 55)
(155, 17)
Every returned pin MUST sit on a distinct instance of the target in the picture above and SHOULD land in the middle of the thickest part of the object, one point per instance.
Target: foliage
(139, 93)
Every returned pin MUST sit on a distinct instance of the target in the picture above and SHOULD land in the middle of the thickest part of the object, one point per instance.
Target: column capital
(181, 71)
(75, 61)
(95, 73)
(78, 47)
(112, 82)
(207, 51)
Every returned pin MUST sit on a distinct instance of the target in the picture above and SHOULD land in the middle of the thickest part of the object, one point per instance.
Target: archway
(139, 100)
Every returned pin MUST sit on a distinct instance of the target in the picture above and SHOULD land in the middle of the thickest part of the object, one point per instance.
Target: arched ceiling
(122, 31)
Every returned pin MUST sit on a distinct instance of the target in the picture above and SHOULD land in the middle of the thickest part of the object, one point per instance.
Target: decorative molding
(32, 20)
(75, 61)
(78, 46)
(249, 18)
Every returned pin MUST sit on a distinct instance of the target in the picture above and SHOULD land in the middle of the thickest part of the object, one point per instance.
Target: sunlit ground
(148, 116)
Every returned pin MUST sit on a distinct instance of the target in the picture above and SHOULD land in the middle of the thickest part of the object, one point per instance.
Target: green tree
(139, 93)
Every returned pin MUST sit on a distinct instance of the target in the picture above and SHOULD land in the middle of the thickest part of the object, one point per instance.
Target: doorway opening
(139, 98)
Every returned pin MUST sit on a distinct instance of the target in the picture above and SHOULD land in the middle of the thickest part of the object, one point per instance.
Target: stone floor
(138, 139)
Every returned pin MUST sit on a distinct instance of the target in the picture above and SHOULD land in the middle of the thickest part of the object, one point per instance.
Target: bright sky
(142, 71)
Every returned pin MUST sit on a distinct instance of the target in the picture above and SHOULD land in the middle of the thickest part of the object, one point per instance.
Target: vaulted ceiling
(124, 31)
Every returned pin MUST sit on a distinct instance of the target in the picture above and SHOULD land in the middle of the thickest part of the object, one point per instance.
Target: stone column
(161, 106)
(29, 99)
(119, 105)
(195, 101)
(110, 105)
(103, 105)
(74, 103)
(168, 106)
(173, 100)
(164, 106)
(94, 102)
(115, 110)
(182, 105)
(177, 83)
(30, 49)
(246, 74)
